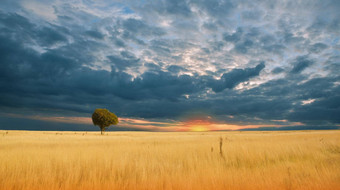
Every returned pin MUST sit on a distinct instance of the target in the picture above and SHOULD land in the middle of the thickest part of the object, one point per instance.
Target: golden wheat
(183, 160)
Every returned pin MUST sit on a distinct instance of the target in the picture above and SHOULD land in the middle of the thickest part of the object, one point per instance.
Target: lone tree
(103, 119)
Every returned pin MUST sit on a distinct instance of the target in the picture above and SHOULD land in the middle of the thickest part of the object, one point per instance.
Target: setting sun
(198, 125)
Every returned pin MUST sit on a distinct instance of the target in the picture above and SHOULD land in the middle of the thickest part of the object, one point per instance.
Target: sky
(170, 65)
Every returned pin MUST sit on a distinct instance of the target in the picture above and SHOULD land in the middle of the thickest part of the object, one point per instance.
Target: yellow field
(173, 160)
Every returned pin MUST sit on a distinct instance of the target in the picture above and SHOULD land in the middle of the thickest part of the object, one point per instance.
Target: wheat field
(169, 160)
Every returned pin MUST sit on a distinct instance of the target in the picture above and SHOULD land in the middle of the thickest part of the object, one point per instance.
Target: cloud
(164, 59)
(94, 34)
(123, 60)
(234, 77)
(277, 70)
(252, 15)
(138, 27)
(318, 47)
(45, 124)
(177, 7)
(234, 37)
(251, 40)
(215, 8)
(300, 64)
(175, 69)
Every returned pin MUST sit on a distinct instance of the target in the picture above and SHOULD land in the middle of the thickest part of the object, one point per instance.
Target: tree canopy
(104, 118)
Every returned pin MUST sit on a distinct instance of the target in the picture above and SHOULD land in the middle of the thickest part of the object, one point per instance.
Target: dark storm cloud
(315, 115)
(283, 98)
(321, 111)
(124, 60)
(234, 77)
(161, 59)
(14, 21)
(175, 69)
(94, 34)
(23, 29)
(49, 36)
(51, 73)
(300, 64)
(277, 70)
(165, 85)
(248, 40)
(54, 78)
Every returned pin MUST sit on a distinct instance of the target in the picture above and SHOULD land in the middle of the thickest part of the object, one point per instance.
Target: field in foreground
(184, 160)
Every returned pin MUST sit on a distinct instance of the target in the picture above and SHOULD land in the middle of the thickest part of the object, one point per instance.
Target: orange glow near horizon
(198, 125)
(207, 124)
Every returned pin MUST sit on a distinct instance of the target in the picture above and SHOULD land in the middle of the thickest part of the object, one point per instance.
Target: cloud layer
(240, 62)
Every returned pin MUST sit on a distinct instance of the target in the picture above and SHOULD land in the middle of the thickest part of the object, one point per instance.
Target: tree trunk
(101, 131)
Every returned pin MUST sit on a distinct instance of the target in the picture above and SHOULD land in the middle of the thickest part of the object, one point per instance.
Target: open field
(183, 160)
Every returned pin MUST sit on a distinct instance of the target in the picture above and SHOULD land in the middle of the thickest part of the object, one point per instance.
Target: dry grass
(186, 160)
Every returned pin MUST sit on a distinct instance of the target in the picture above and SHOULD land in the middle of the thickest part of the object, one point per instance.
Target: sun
(198, 125)
(198, 128)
